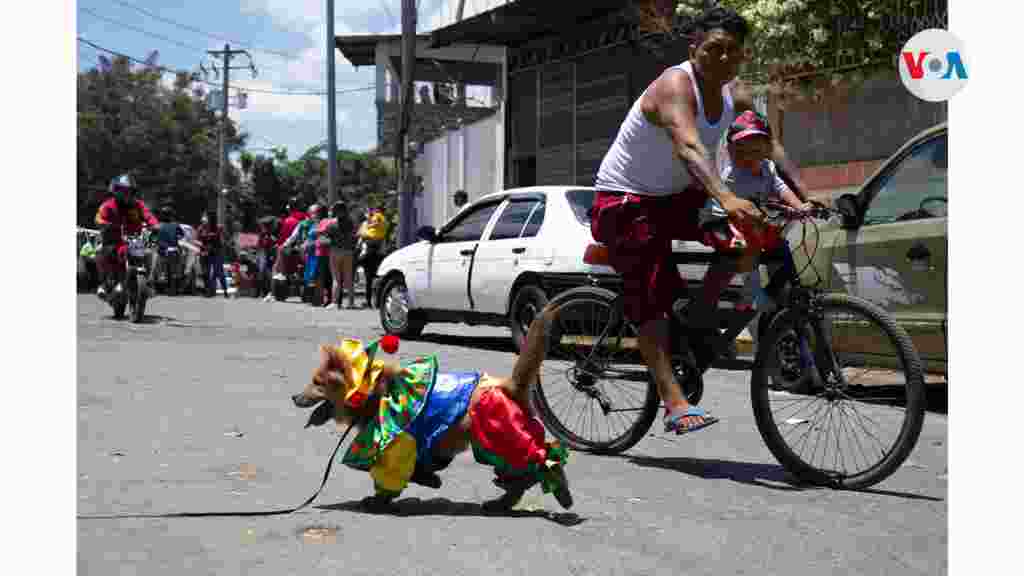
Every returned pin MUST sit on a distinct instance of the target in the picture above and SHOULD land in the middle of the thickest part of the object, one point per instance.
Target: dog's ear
(323, 413)
(326, 356)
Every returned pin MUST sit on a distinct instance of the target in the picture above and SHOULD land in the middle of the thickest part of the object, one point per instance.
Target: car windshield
(581, 201)
(916, 188)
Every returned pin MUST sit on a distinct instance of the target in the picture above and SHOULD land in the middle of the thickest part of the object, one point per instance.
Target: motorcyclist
(122, 213)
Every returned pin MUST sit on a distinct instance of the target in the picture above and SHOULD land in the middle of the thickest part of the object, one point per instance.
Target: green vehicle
(890, 246)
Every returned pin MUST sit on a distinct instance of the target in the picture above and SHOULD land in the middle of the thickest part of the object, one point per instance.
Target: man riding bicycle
(122, 210)
(656, 177)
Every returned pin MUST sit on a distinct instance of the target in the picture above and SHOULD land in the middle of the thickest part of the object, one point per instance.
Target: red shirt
(133, 219)
(289, 224)
(266, 241)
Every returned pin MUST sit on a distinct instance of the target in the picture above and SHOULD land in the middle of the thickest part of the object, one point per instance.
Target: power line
(198, 31)
(246, 89)
(148, 33)
(140, 30)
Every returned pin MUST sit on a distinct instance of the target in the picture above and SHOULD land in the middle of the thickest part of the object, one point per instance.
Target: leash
(309, 501)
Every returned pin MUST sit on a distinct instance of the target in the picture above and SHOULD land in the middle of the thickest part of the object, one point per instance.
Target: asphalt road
(190, 412)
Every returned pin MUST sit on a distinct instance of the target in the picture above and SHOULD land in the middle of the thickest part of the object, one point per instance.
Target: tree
(131, 122)
(798, 46)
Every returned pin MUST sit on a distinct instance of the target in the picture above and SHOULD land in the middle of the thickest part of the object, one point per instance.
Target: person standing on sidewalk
(305, 236)
(339, 232)
(265, 255)
(285, 260)
(168, 251)
(372, 234)
(212, 237)
(322, 250)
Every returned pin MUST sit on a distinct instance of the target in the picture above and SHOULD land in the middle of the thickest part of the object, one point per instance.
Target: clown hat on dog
(363, 370)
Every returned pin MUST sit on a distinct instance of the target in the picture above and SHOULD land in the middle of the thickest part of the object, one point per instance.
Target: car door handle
(518, 250)
(919, 257)
(468, 252)
(918, 252)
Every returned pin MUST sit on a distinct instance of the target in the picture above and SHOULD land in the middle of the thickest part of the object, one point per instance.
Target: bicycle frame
(788, 293)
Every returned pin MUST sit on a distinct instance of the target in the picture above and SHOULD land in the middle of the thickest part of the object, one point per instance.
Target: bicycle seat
(596, 254)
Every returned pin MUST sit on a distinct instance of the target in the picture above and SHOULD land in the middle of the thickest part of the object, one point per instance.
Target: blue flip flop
(674, 423)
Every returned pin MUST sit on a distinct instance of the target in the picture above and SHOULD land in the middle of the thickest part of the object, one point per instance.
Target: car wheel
(528, 301)
(395, 315)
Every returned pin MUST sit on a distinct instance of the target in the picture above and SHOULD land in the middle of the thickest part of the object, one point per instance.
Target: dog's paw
(514, 489)
(501, 504)
(379, 503)
(428, 479)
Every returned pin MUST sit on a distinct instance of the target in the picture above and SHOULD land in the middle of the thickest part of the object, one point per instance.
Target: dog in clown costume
(412, 419)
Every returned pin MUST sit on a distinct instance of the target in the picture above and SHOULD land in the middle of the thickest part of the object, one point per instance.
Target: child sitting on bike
(751, 176)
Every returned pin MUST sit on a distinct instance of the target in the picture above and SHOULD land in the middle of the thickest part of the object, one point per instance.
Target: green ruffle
(558, 455)
(407, 395)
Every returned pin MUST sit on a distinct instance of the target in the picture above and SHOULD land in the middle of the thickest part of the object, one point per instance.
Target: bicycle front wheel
(864, 409)
(595, 393)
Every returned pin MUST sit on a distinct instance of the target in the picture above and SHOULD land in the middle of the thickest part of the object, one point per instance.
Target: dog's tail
(526, 372)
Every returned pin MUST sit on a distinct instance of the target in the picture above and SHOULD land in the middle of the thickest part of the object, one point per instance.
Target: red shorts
(639, 231)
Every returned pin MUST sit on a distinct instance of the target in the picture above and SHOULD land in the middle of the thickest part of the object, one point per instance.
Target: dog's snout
(302, 401)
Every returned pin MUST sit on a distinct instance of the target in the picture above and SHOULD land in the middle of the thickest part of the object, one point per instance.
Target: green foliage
(363, 181)
(129, 121)
(798, 46)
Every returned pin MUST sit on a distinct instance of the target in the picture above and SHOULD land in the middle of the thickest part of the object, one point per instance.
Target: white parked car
(497, 262)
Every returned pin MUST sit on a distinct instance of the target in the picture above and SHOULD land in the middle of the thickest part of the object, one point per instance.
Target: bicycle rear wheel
(864, 410)
(595, 393)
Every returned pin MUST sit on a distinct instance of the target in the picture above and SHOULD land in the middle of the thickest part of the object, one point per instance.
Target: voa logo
(932, 65)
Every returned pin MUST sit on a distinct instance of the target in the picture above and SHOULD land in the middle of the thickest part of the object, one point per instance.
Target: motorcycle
(135, 286)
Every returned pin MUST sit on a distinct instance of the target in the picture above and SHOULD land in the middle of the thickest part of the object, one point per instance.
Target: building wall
(481, 157)
(564, 115)
(434, 178)
(860, 124)
(841, 140)
(468, 159)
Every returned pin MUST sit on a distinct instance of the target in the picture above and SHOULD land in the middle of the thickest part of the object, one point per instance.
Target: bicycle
(593, 346)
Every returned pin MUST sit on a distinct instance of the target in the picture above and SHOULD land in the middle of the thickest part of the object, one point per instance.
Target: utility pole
(226, 68)
(332, 128)
(405, 233)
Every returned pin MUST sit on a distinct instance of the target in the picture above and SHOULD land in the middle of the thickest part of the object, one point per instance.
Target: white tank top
(642, 160)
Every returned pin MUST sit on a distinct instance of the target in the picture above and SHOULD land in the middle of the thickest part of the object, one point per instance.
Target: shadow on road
(490, 343)
(762, 475)
(146, 319)
(155, 319)
(445, 507)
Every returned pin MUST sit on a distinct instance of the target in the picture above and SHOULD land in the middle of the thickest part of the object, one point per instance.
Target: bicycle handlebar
(777, 211)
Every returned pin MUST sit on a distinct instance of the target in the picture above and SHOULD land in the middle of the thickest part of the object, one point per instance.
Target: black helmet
(121, 186)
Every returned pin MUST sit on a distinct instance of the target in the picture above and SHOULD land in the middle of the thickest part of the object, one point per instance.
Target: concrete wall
(841, 140)
(470, 159)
